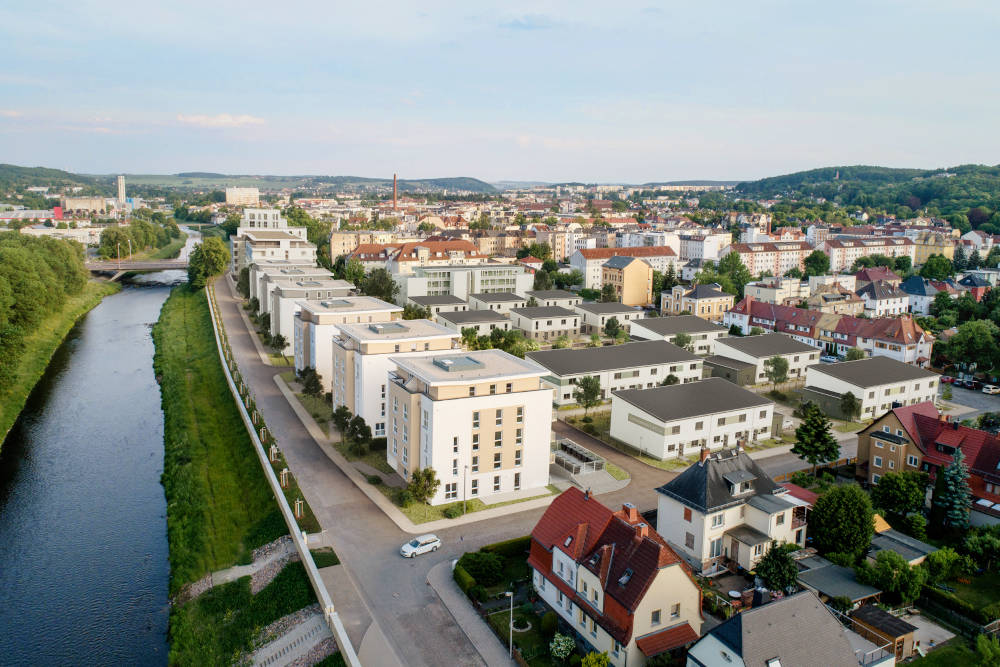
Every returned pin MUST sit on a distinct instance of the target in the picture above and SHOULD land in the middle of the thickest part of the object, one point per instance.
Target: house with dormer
(725, 512)
(612, 579)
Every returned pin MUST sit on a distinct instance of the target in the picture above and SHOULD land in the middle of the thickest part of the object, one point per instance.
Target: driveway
(976, 400)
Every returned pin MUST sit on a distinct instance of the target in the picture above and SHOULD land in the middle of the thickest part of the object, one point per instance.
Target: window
(472, 391)
(687, 514)
(675, 610)
(496, 483)
(758, 550)
(496, 461)
(689, 540)
(911, 461)
(475, 420)
(475, 441)
(892, 464)
(427, 419)
(517, 481)
(699, 425)
(674, 430)
(517, 457)
(510, 387)
(454, 445)
(715, 548)
(518, 437)
(876, 478)
(617, 648)
(878, 462)
(493, 389)
(475, 464)
(780, 519)
(451, 491)
(520, 415)
(718, 520)
(591, 627)
(454, 467)
(497, 438)
(654, 618)
(763, 414)
(475, 487)
(499, 417)
(879, 445)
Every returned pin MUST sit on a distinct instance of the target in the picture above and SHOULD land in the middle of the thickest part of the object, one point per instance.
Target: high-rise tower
(121, 191)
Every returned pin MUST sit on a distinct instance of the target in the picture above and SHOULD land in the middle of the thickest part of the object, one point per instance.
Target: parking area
(974, 399)
(929, 634)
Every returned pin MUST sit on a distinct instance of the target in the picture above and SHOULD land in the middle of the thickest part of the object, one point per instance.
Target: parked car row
(970, 384)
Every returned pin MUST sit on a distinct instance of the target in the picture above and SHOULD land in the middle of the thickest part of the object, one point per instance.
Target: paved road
(972, 398)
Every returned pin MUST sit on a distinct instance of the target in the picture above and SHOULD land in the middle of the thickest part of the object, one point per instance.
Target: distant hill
(408, 185)
(693, 183)
(199, 174)
(13, 176)
(517, 185)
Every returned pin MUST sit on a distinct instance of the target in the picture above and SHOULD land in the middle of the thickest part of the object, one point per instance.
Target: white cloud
(219, 120)
(10, 113)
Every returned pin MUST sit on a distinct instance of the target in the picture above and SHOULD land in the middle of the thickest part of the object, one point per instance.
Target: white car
(420, 545)
(991, 389)
(829, 359)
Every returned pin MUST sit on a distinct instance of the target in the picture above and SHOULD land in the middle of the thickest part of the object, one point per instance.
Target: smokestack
(394, 192)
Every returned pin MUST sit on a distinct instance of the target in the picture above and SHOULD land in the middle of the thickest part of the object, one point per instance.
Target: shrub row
(954, 603)
(510, 548)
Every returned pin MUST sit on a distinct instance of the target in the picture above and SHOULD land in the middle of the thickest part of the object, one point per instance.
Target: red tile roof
(874, 273)
(642, 251)
(906, 415)
(664, 640)
(805, 495)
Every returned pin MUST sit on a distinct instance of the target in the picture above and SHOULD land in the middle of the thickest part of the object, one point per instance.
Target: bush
(373, 479)
(915, 525)
(404, 498)
(841, 559)
(485, 568)
(957, 604)
(514, 548)
(778, 395)
(842, 603)
(589, 428)
(549, 624)
(477, 593)
(454, 511)
(463, 579)
(377, 444)
(586, 419)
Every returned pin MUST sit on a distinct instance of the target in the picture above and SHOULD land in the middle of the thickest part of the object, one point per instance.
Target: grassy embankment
(219, 505)
(41, 345)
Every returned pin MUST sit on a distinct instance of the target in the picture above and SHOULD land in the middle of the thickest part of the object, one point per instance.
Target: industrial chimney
(394, 193)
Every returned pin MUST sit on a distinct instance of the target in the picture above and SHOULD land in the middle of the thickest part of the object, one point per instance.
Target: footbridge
(120, 268)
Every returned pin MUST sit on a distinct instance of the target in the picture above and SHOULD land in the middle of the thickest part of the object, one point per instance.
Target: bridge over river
(118, 269)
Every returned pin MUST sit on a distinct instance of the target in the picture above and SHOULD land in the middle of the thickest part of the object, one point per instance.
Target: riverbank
(41, 345)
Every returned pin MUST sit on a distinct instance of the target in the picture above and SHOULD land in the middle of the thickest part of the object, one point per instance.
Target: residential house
(880, 383)
(631, 278)
(777, 290)
(629, 366)
(876, 274)
(546, 322)
(756, 350)
(554, 297)
(976, 285)
(883, 299)
(725, 511)
(483, 321)
(463, 280)
(705, 301)
(772, 258)
(595, 315)
(844, 252)
(703, 333)
(590, 261)
(268, 272)
(835, 299)
(441, 303)
(481, 419)
(613, 579)
(500, 302)
(264, 235)
(287, 296)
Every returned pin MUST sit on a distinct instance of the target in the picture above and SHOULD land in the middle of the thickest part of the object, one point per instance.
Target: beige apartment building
(631, 278)
(706, 301)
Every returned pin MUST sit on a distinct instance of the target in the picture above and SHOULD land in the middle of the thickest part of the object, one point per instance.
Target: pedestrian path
(294, 644)
(492, 651)
(283, 549)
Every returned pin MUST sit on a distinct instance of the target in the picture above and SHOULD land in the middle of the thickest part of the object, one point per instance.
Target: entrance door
(734, 551)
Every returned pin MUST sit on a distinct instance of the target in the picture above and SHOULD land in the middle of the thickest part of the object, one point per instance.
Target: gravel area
(262, 577)
(321, 650)
(286, 623)
(280, 544)
(193, 590)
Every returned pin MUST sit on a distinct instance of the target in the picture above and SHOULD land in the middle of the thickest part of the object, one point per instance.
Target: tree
(412, 311)
(958, 261)
(423, 485)
(588, 392)
(312, 382)
(359, 434)
(817, 263)
(850, 406)
(209, 258)
(942, 565)
(560, 343)
(612, 327)
(975, 340)
(988, 650)
(379, 284)
(341, 418)
(755, 331)
(354, 271)
(469, 335)
(843, 521)
(984, 548)
(854, 354)
(937, 267)
(794, 272)
(595, 659)
(952, 497)
(777, 568)
(893, 575)
(608, 293)
(243, 283)
(671, 379)
(565, 280)
(278, 344)
(814, 440)
(543, 280)
(561, 646)
(776, 370)
(683, 340)
(595, 340)
(899, 493)
(903, 265)
(735, 330)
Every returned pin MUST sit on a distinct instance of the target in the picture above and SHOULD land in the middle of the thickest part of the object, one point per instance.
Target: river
(83, 547)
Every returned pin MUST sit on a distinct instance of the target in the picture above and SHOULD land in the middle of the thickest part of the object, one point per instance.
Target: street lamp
(510, 640)
(119, 255)
(465, 490)
(130, 248)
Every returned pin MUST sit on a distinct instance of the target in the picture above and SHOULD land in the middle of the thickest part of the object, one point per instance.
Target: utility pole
(119, 256)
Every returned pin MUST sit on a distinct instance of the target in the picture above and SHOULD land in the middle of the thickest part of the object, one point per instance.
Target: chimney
(705, 453)
(394, 192)
(631, 512)
(586, 494)
(641, 531)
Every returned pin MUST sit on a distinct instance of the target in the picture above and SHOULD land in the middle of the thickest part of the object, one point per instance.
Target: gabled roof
(596, 359)
(873, 371)
(907, 413)
(974, 280)
(875, 273)
(620, 262)
(764, 346)
(706, 292)
(880, 291)
(917, 286)
(702, 487)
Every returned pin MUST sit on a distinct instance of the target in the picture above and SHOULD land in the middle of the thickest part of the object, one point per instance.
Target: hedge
(463, 579)
(510, 548)
(951, 601)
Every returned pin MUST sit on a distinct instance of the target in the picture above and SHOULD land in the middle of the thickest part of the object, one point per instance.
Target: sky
(552, 91)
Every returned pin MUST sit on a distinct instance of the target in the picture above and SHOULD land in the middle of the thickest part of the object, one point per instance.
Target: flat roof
(595, 359)
(396, 330)
(270, 235)
(681, 401)
(552, 294)
(542, 312)
(872, 371)
(765, 345)
(497, 297)
(836, 581)
(438, 300)
(465, 367)
(609, 308)
(347, 304)
(473, 316)
(726, 362)
(675, 324)
(312, 282)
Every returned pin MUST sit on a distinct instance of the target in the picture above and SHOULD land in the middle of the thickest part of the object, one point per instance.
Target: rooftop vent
(626, 576)
(336, 303)
(457, 363)
(388, 327)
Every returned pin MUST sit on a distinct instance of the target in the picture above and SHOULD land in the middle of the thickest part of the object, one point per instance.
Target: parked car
(947, 379)
(420, 545)
(991, 389)
(973, 384)
(829, 359)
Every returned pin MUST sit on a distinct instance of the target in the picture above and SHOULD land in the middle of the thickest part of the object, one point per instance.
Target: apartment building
(677, 420)
(705, 301)
(264, 235)
(483, 321)
(265, 275)
(590, 261)
(461, 281)
(481, 419)
(595, 315)
(242, 197)
(286, 296)
(756, 350)
(546, 322)
(726, 510)
(436, 305)
(777, 290)
(879, 382)
(317, 322)
(704, 247)
(345, 242)
(555, 297)
(500, 302)
(614, 580)
(703, 333)
(884, 299)
(364, 355)
(844, 252)
(631, 278)
(775, 258)
(636, 365)
(927, 243)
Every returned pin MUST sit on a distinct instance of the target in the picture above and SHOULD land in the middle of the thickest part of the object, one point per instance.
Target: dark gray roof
(880, 290)
(541, 312)
(606, 308)
(596, 359)
(771, 504)
(712, 291)
(796, 630)
(439, 300)
(765, 346)
(836, 581)
(552, 294)
(620, 262)
(726, 362)
(880, 619)
(702, 487)
(873, 371)
(748, 535)
(497, 297)
(906, 546)
(675, 324)
(974, 280)
(680, 401)
(917, 286)
(473, 316)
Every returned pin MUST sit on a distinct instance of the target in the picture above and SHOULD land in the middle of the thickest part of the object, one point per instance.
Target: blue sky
(556, 91)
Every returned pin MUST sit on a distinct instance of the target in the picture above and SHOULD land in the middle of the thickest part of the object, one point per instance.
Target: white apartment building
(242, 197)
(703, 333)
(777, 290)
(500, 302)
(758, 349)
(883, 299)
(661, 238)
(482, 420)
(594, 315)
(259, 271)
(879, 382)
(555, 297)
(287, 296)
(266, 279)
(844, 252)
(264, 235)
(363, 357)
(639, 365)
(317, 322)
(678, 420)
(775, 258)
(707, 246)
(483, 321)
(461, 281)
(446, 303)
(546, 322)
(590, 261)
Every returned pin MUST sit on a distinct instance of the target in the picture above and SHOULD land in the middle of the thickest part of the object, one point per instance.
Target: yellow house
(632, 279)
(932, 243)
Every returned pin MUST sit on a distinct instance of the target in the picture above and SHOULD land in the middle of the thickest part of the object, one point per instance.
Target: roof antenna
(586, 494)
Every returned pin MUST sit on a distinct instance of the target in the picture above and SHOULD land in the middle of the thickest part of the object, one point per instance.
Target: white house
(483, 321)
(879, 382)
(758, 349)
(703, 333)
(546, 322)
(595, 315)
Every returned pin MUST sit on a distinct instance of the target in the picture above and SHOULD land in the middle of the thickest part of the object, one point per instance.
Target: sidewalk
(264, 358)
(475, 628)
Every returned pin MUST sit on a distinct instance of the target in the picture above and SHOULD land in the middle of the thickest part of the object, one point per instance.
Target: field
(41, 345)
(219, 503)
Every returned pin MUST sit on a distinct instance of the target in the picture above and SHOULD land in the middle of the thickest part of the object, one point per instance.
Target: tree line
(138, 235)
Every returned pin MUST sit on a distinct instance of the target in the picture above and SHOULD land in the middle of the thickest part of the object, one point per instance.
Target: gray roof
(620, 262)
(766, 345)
(726, 362)
(596, 359)
(606, 308)
(880, 619)
(552, 294)
(497, 297)
(797, 630)
(675, 324)
(771, 504)
(906, 546)
(748, 535)
(873, 371)
(917, 286)
(473, 316)
(702, 487)
(541, 312)
(880, 290)
(836, 581)
(712, 291)
(680, 401)
(440, 300)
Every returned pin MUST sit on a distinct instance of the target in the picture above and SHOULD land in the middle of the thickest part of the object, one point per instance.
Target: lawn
(981, 591)
(281, 359)
(373, 457)
(41, 345)
(418, 513)
(325, 557)
(618, 473)
(533, 646)
(219, 504)
(956, 652)
(601, 421)
(849, 427)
